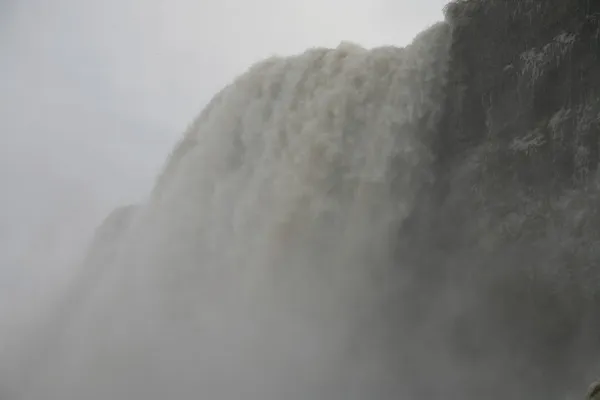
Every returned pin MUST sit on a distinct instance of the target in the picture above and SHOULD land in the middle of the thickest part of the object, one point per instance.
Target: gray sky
(94, 94)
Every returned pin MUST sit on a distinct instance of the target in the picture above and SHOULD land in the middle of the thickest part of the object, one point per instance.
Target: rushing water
(250, 271)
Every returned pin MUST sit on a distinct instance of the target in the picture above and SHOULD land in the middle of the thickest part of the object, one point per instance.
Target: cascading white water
(266, 238)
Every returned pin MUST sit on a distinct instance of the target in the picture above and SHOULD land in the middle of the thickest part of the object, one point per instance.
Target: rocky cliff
(515, 213)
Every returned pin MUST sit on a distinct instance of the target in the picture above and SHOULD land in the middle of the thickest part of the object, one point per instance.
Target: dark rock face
(514, 217)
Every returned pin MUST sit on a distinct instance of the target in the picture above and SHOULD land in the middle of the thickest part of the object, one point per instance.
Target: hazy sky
(94, 93)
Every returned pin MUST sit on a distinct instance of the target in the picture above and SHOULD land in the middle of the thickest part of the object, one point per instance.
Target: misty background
(94, 94)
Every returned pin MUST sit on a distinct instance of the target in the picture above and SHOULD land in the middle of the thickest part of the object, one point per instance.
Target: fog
(195, 205)
(95, 95)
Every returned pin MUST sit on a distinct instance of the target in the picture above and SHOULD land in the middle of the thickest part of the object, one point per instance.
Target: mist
(266, 201)
(95, 96)
(241, 274)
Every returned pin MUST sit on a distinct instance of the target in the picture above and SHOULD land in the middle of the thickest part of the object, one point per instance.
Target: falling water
(265, 243)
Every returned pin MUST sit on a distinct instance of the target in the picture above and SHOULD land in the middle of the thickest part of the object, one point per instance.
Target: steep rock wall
(514, 217)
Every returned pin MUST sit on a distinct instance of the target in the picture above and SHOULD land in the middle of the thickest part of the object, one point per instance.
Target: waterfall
(266, 241)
